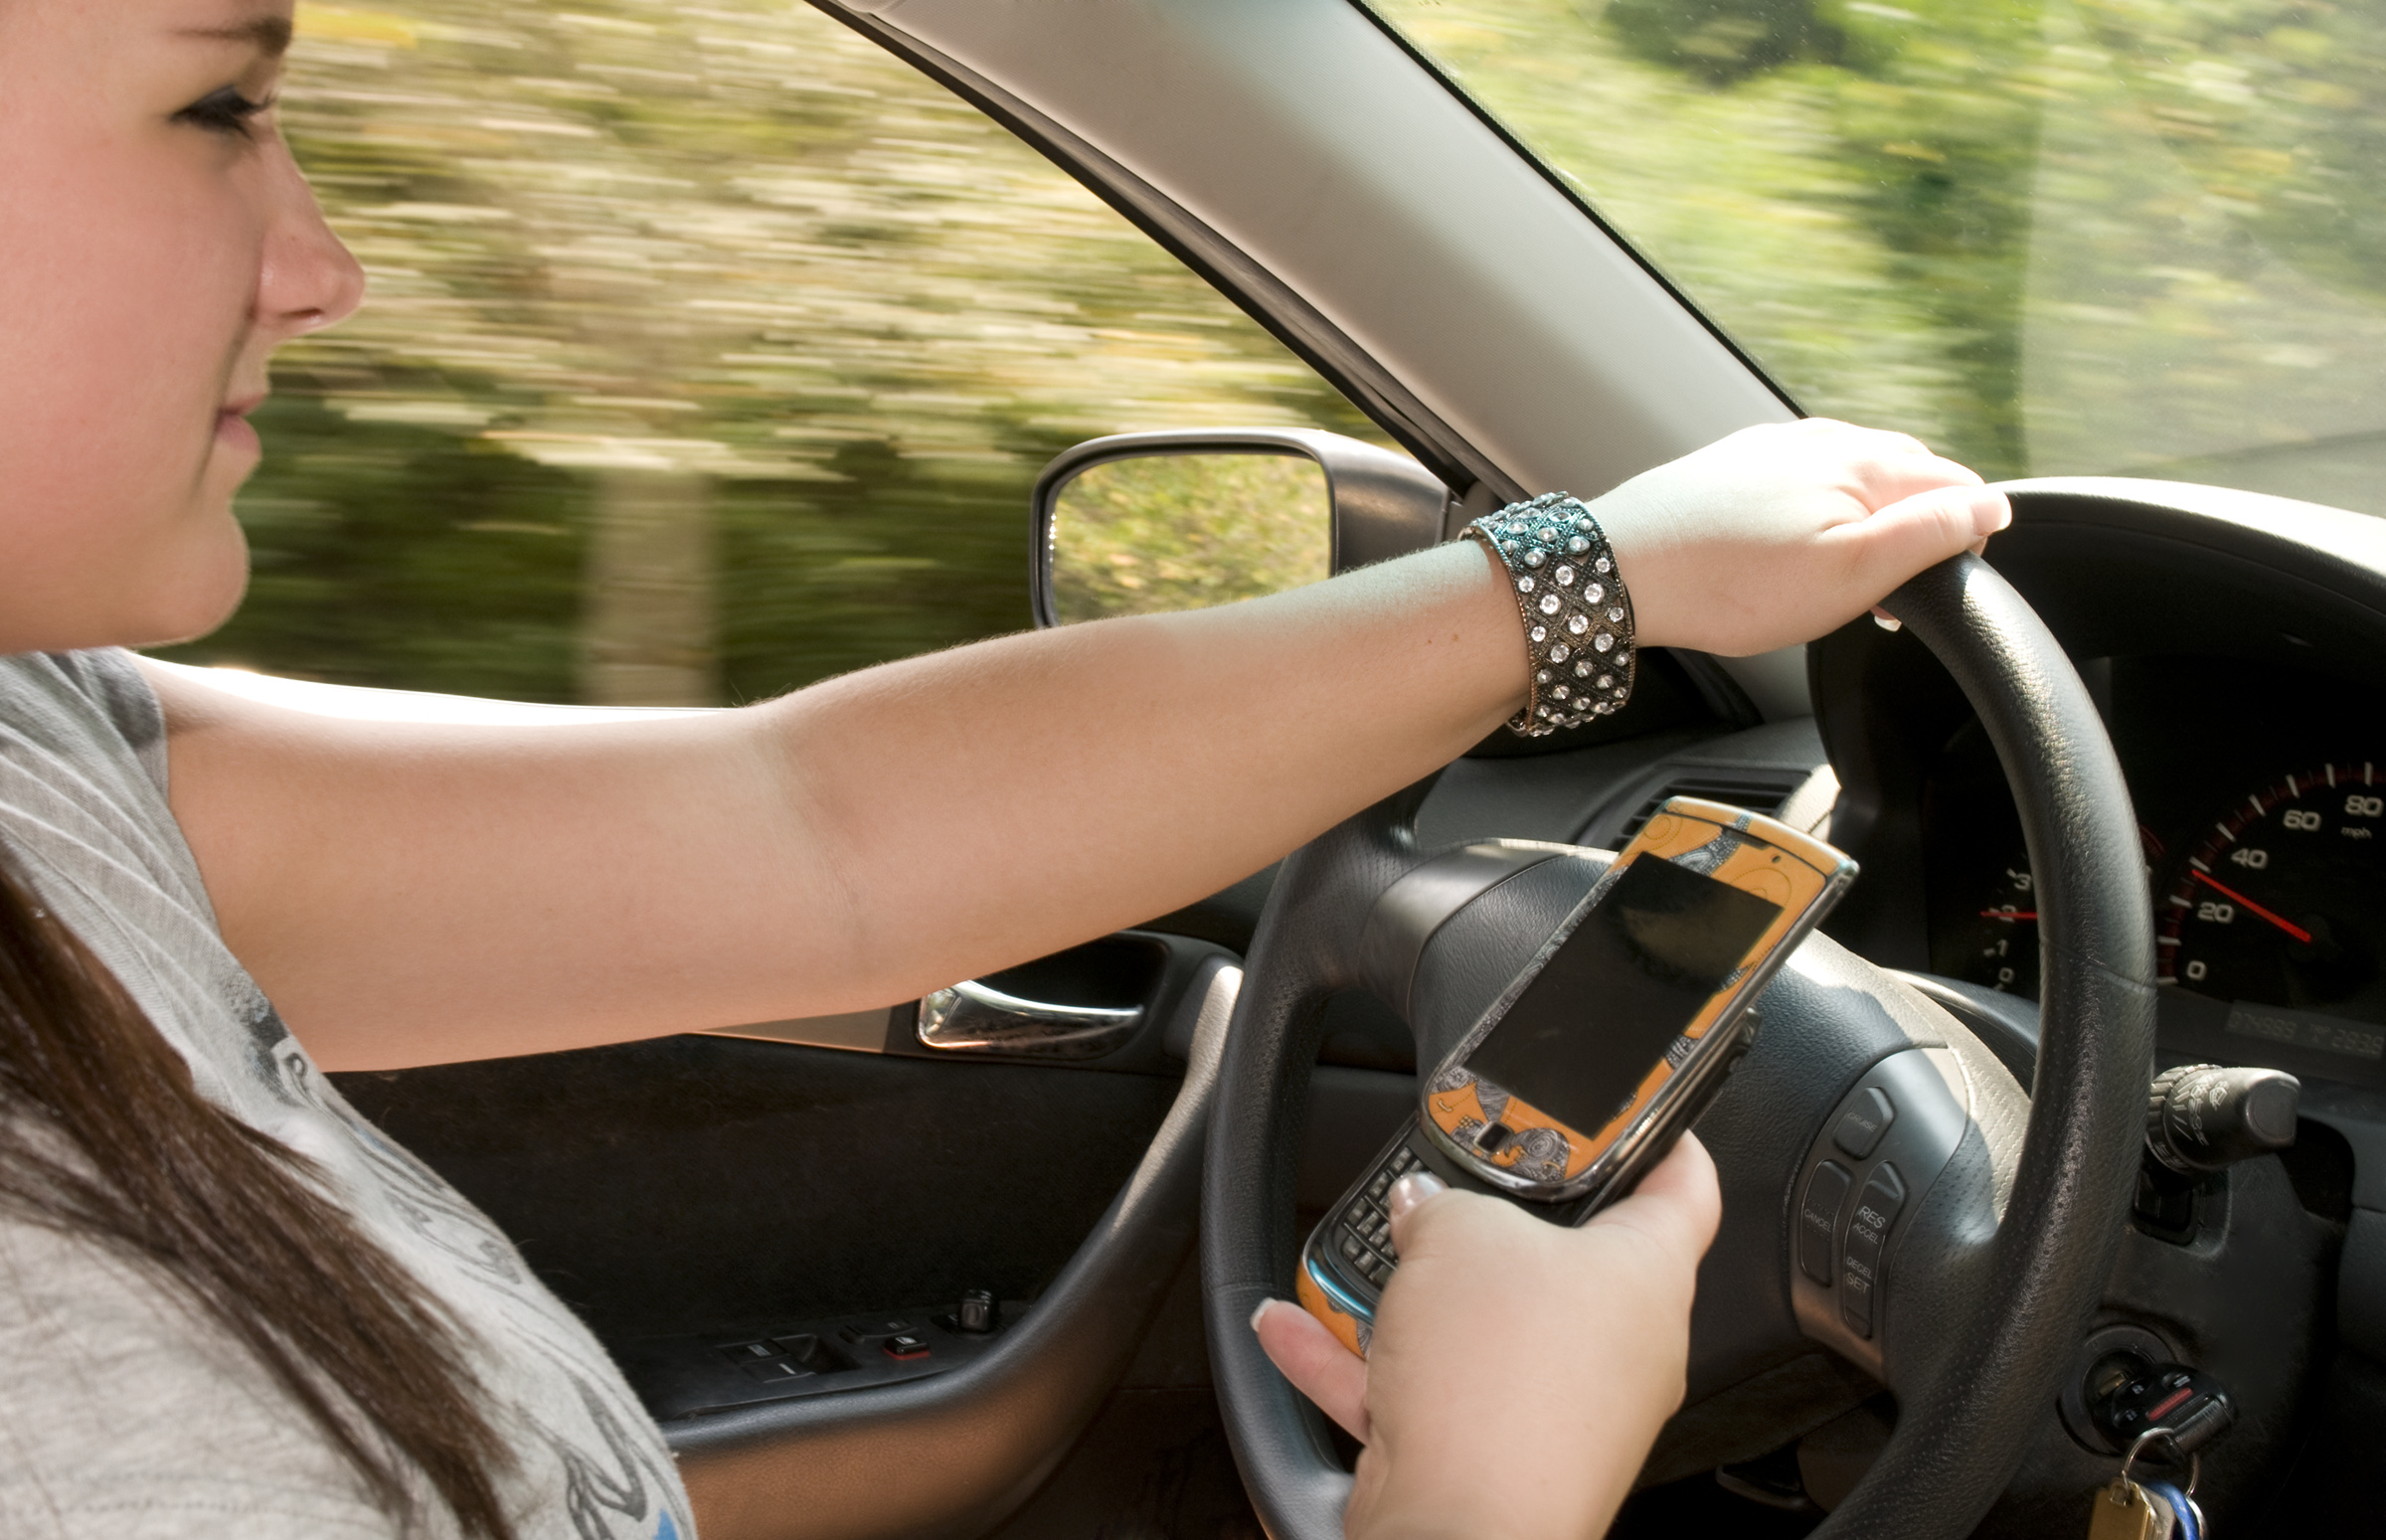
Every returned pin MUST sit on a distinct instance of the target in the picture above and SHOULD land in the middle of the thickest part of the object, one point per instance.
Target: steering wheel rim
(2007, 1320)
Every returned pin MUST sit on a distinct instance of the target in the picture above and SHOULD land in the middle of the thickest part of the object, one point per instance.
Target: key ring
(2196, 1462)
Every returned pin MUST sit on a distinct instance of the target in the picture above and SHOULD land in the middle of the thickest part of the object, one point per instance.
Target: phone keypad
(1363, 1233)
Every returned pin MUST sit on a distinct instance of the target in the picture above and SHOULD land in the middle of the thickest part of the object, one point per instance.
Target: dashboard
(2261, 799)
(2236, 648)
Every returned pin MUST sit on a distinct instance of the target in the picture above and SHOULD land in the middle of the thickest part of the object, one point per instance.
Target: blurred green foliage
(2142, 236)
(1163, 532)
(1721, 41)
(407, 556)
(2277, 107)
(727, 269)
(638, 245)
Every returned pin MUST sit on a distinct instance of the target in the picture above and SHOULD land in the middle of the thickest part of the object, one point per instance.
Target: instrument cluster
(2261, 800)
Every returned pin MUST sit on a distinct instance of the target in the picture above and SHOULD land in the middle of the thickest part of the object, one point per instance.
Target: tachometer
(2000, 948)
(2282, 907)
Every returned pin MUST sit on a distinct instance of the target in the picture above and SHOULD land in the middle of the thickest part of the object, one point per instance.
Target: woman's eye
(224, 111)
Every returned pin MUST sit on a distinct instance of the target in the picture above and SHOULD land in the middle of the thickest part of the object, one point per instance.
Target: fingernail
(1991, 514)
(1265, 1306)
(1414, 1189)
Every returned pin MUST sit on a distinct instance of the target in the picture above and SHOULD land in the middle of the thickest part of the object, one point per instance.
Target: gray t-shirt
(124, 1413)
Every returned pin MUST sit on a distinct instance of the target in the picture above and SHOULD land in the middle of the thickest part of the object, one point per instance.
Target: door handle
(970, 1017)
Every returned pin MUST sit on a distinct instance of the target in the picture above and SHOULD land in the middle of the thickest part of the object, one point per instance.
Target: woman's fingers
(1586, 1334)
(1892, 480)
(1407, 1194)
(1918, 532)
(1782, 532)
(1677, 1205)
(1319, 1367)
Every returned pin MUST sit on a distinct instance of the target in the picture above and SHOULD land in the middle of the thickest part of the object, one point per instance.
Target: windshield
(2051, 237)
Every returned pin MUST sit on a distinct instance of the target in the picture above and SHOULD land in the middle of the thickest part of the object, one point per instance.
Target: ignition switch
(2128, 1399)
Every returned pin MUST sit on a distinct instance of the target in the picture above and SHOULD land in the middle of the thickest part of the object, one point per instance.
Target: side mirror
(1138, 523)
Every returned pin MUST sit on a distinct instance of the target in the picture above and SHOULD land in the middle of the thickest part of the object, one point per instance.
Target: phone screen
(1581, 1038)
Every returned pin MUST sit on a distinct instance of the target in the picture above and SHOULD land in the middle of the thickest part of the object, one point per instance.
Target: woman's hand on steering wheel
(1782, 532)
(1519, 1370)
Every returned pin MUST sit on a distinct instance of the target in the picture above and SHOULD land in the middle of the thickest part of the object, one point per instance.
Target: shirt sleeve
(109, 678)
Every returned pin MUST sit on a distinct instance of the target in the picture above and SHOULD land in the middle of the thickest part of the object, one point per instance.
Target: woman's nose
(309, 279)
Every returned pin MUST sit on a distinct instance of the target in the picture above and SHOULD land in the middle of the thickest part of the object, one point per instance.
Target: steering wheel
(2012, 1202)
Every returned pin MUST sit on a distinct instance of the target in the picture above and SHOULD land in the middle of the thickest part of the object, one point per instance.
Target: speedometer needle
(2284, 924)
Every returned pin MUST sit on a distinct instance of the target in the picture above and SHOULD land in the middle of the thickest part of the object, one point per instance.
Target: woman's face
(156, 244)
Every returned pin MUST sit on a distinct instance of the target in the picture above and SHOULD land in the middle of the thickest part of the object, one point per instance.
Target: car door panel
(699, 1183)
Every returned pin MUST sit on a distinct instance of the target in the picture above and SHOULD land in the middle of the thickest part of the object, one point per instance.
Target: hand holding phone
(1603, 1048)
(1501, 1323)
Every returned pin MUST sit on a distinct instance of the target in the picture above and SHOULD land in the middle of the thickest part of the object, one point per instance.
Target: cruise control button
(1877, 1209)
(1867, 1235)
(1855, 1295)
(1818, 1219)
(1861, 1127)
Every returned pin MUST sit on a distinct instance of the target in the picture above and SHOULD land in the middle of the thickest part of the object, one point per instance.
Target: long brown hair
(104, 1134)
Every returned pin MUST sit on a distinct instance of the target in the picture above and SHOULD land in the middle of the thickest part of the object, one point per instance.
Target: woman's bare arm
(411, 893)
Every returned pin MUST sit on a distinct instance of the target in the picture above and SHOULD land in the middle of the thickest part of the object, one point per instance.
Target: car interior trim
(2006, 1024)
(855, 1031)
(2332, 547)
(970, 1017)
(1412, 908)
(948, 1454)
(1526, 153)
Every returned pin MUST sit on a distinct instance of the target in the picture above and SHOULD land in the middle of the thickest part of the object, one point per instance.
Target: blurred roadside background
(711, 351)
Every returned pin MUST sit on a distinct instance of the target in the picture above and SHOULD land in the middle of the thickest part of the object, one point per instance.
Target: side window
(708, 353)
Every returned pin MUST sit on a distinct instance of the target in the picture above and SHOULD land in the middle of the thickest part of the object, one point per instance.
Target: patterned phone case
(1560, 1172)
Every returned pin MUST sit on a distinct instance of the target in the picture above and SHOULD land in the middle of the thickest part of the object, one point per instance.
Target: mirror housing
(1382, 504)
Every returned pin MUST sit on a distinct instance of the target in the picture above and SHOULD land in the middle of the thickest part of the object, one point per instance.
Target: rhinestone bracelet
(1578, 619)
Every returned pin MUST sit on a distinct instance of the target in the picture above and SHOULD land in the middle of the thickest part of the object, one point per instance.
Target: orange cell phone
(1610, 1041)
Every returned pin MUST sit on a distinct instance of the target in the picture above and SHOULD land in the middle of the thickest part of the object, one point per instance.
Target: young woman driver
(229, 1303)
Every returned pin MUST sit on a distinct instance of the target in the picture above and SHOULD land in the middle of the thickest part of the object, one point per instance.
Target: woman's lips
(233, 428)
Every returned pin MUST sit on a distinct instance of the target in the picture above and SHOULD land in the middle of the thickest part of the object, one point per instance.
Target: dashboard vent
(1758, 790)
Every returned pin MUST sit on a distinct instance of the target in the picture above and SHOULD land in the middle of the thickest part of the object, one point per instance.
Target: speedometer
(2280, 909)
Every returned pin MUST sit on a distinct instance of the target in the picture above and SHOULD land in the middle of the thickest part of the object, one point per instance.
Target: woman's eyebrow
(270, 35)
